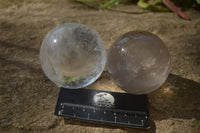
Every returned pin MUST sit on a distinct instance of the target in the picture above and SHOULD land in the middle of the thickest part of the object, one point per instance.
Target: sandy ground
(28, 98)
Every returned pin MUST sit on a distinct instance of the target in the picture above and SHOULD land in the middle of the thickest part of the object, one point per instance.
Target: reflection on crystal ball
(72, 55)
(139, 62)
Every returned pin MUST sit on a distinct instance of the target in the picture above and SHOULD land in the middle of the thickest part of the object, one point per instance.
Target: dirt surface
(28, 98)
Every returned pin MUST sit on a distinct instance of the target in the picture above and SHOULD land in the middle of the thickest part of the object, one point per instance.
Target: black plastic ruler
(103, 107)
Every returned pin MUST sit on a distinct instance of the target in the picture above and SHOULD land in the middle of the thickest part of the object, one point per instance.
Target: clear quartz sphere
(139, 62)
(72, 55)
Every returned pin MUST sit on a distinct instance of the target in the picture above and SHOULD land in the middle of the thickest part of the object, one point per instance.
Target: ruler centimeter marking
(63, 105)
(80, 104)
(83, 118)
(96, 108)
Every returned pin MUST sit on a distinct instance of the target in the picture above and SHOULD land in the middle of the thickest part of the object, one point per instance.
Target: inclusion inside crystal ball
(139, 62)
(72, 55)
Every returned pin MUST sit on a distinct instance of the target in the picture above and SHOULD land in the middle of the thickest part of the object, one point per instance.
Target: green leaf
(110, 3)
(142, 4)
(198, 1)
(155, 6)
(90, 3)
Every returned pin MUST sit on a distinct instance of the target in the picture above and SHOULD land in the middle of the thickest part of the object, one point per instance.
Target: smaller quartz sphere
(139, 62)
(72, 55)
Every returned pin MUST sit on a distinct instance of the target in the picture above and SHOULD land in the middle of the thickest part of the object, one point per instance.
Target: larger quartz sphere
(72, 55)
(139, 62)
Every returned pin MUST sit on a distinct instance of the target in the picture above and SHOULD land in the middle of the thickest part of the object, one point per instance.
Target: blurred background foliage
(153, 5)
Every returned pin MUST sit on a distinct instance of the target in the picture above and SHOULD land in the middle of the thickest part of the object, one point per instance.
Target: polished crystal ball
(139, 62)
(72, 55)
